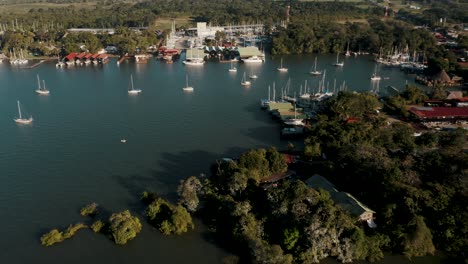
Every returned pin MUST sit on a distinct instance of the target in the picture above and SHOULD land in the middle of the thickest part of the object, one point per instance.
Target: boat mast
(38, 82)
(43, 85)
(19, 110)
(315, 65)
(274, 92)
(131, 82)
(268, 93)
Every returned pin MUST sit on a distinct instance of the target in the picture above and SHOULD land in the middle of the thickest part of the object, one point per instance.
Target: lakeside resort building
(343, 199)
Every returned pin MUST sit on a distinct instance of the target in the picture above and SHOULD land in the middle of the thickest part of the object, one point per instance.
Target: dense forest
(417, 185)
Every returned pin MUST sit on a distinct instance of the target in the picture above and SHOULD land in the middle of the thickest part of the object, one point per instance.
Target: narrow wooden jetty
(122, 59)
(34, 65)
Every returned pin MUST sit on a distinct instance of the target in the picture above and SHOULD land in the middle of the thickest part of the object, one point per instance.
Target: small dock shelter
(195, 54)
(247, 52)
(343, 199)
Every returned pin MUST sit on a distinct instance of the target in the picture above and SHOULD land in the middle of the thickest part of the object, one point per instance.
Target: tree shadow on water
(164, 177)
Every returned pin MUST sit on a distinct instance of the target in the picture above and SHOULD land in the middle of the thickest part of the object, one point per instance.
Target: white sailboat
(20, 119)
(187, 88)
(294, 121)
(315, 72)
(338, 64)
(244, 81)
(375, 76)
(41, 90)
(132, 89)
(253, 59)
(232, 69)
(281, 68)
(347, 54)
(253, 76)
(59, 63)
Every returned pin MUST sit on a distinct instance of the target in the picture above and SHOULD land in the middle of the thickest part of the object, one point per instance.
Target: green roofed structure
(343, 199)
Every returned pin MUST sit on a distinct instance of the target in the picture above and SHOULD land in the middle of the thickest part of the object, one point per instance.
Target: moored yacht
(253, 59)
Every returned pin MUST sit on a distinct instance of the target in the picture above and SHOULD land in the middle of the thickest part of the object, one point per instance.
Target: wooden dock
(122, 59)
(35, 64)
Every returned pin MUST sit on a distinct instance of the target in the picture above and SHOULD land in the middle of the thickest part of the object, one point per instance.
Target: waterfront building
(343, 199)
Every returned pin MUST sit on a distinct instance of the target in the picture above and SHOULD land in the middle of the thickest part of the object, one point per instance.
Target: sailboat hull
(23, 120)
(137, 91)
(43, 92)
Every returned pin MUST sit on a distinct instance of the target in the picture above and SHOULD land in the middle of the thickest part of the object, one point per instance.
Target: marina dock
(35, 64)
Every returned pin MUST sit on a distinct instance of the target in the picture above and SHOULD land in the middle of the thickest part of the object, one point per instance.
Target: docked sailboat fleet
(17, 60)
(132, 89)
(21, 119)
(42, 90)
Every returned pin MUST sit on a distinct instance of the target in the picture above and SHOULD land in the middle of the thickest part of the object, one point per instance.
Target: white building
(204, 31)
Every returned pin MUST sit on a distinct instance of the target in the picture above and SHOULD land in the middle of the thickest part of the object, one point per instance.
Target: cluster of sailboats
(42, 90)
(18, 59)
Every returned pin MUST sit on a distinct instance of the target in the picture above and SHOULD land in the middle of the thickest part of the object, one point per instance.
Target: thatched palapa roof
(442, 77)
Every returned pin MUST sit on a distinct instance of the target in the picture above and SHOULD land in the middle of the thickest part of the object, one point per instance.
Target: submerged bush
(89, 210)
(54, 236)
(124, 227)
(97, 226)
(72, 229)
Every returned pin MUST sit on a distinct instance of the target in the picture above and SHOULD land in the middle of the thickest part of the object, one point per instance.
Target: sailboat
(20, 119)
(347, 54)
(244, 81)
(232, 69)
(281, 68)
(338, 64)
(59, 63)
(253, 76)
(375, 76)
(315, 72)
(187, 87)
(132, 89)
(41, 90)
(294, 121)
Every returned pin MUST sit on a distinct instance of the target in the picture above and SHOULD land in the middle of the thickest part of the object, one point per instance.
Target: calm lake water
(72, 155)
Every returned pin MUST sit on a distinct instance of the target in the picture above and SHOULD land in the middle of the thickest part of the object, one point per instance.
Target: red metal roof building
(440, 113)
(81, 55)
(71, 56)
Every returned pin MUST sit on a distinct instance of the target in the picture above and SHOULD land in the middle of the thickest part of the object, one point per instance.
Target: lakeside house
(343, 199)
